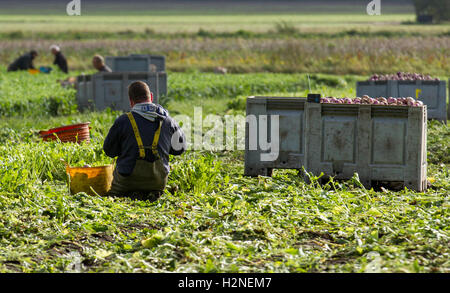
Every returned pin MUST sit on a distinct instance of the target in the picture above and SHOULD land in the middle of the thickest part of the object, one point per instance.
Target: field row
(43, 95)
(348, 55)
(218, 22)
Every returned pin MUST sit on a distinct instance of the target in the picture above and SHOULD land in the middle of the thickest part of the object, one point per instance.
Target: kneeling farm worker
(142, 140)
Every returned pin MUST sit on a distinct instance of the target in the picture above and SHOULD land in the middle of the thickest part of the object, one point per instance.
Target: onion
(347, 101)
(392, 101)
(410, 101)
(365, 100)
(382, 100)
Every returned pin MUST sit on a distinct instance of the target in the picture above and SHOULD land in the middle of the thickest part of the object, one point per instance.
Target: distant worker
(99, 63)
(60, 60)
(24, 62)
(142, 140)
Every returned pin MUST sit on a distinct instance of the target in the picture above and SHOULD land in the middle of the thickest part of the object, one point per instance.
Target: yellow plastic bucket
(83, 178)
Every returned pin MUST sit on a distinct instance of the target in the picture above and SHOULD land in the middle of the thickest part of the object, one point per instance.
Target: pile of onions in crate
(402, 76)
(409, 101)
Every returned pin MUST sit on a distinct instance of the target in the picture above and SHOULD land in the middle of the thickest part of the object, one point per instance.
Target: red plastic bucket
(69, 133)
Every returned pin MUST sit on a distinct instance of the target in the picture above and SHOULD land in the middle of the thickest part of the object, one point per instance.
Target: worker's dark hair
(99, 58)
(139, 92)
(33, 52)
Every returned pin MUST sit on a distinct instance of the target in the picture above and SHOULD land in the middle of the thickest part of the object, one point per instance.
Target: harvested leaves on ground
(211, 218)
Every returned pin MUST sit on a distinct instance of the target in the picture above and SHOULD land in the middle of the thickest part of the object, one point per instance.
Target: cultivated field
(213, 21)
(346, 55)
(212, 218)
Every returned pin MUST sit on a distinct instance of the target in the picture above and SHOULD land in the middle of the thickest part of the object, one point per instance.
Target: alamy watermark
(374, 7)
(229, 133)
(73, 8)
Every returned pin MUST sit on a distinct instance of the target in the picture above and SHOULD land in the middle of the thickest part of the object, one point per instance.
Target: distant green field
(322, 38)
(318, 22)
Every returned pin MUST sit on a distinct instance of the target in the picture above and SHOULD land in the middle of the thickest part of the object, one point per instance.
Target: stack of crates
(431, 92)
(110, 89)
(137, 62)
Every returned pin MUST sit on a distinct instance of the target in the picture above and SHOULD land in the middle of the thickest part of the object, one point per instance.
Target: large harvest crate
(431, 93)
(106, 89)
(85, 91)
(158, 61)
(137, 62)
(380, 143)
(291, 120)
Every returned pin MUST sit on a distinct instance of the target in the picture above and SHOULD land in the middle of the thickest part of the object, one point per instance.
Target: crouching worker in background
(142, 140)
(60, 59)
(24, 62)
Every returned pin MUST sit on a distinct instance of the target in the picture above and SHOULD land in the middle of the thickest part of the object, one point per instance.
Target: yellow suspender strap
(156, 140)
(137, 135)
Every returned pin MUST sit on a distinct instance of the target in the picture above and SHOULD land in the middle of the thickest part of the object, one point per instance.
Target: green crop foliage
(26, 94)
(37, 95)
(211, 218)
